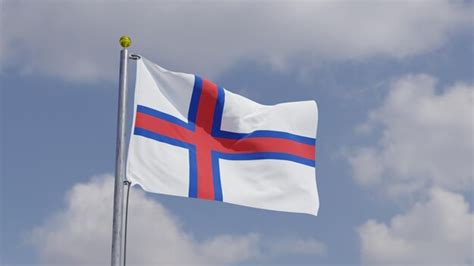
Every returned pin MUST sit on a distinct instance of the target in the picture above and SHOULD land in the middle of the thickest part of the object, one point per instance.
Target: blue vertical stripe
(194, 104)
(192, 174)
(218, 110)
(216, 174)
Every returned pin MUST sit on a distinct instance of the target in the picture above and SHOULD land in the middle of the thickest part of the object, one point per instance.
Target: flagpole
(117, 227)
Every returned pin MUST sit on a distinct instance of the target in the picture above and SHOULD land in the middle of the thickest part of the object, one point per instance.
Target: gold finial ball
(125, 41)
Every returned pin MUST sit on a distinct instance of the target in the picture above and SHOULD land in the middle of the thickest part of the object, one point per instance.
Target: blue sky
(394, 86)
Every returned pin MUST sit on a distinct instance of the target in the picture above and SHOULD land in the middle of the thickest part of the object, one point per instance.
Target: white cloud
(439, 231)
(80, 234)
(426, 139)
(425, 149)
(78, 41)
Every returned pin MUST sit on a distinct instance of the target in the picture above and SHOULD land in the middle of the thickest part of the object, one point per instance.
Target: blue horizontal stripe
(265, 155)
(164, 116)
(266, 134)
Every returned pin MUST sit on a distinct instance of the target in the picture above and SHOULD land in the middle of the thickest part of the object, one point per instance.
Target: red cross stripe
(205, 143)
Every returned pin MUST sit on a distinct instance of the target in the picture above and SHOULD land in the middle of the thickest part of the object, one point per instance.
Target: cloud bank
(426, 139)
(435, 232)
(424, 152)
(75, 41)
(80, 234)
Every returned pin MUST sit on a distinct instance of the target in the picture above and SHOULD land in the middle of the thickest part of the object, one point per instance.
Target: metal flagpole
(117, 228)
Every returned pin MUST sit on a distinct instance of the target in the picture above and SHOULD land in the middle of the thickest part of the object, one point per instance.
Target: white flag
(192, 138)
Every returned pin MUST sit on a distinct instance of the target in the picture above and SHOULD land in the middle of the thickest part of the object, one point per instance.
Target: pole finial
(125, 41)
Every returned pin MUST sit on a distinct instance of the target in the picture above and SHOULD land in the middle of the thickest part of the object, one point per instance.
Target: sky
(394, 85)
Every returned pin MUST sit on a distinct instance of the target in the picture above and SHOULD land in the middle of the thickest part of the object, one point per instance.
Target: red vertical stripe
(204, 119)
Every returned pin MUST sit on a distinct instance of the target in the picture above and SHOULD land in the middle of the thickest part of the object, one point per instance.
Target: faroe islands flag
(192, 138)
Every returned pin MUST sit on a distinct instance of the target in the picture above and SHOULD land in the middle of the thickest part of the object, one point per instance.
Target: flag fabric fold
(192, 138)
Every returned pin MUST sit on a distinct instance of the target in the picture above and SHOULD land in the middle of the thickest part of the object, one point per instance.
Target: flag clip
(134, 57)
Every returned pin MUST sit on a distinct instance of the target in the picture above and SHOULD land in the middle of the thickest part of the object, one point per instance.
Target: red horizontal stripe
(267, 144)
(201, 138)
(163, 127)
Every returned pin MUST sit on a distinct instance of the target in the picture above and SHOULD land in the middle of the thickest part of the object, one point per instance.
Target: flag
(192, 138)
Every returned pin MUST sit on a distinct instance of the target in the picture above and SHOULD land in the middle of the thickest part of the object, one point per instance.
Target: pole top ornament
(125, 41)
